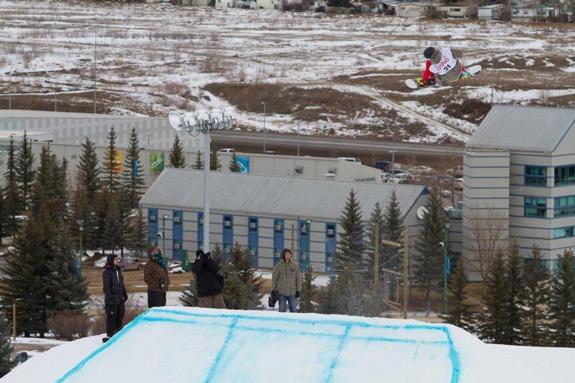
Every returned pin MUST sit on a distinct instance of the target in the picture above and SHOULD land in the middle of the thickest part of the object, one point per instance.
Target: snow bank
(202, 345)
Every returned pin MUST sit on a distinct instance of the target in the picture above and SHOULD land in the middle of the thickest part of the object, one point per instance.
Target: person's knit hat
(110, 259)
(428, 52)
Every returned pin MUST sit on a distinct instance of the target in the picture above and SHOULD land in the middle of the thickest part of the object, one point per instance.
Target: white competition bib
(445, 64)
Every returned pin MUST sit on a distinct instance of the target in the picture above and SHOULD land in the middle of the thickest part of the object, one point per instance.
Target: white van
(350, 159)
(227, 150)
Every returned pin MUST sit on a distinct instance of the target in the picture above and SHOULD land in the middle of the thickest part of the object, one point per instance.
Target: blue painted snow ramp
(201, 345)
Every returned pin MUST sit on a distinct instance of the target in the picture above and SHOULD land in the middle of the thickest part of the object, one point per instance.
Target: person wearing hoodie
(115, 295)
(442, 65)
(209, 282)
(156, 277)
(286, 282)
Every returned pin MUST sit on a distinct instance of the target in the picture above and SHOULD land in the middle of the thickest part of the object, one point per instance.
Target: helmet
(428, 52)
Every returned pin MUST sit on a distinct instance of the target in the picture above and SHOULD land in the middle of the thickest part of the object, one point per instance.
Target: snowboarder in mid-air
(442, 66)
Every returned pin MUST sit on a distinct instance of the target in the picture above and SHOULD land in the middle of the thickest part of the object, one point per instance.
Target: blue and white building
(519, 182)
(264, 214)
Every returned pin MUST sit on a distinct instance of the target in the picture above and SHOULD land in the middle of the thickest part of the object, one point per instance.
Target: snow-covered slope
(200, 345)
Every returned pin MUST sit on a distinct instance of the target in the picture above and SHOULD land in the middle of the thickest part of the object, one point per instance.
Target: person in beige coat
(286, 282)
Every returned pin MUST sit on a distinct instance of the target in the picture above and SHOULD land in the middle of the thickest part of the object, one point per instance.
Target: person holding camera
(209, 282)
(156, 277)
(286, 282)
(115, 295)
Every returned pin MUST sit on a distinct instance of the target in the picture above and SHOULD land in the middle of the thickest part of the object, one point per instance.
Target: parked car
(382, 165)
(129, 263)
(227, 150)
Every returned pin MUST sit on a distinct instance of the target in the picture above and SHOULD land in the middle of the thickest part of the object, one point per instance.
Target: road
(312, 145)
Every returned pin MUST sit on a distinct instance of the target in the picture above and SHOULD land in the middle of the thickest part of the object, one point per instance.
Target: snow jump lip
(226, 346)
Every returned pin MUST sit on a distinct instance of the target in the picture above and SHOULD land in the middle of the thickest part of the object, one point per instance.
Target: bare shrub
(69, 324)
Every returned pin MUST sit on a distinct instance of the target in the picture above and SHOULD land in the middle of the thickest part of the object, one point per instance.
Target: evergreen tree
(26, 275)
(375, 223)
(494, 319)
(328, 299)
(177, 159)
(6, 361)
(67, 287)
(351, 244)
(25, 173)
(49, 189)
(110, 166)
(215, 164)
(428, 257)
(392, 231)
(458, 311)
(241, 287)
(234, 165)
(536, 300)
(3, 216)
(307, 292)
(189, 298)
(86, 197)
(562, 303)
(199, 164)
(133, 183)
(514, 297)
(13, 202)
(138, 235)
(88, 172)
(110, 222)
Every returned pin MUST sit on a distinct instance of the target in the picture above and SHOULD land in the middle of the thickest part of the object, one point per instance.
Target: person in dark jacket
(156, 277)
(210, 284)
(115, 295)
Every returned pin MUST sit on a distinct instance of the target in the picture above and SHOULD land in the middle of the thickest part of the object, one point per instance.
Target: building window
(330, 232)
(563, 232)
(535, 207)
(565, 175)
(227, 222)
(565, 206)
(253, 224)
(536, 175)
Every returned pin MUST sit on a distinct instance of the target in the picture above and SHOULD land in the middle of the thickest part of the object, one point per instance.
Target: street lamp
(201, 123)
(446, 265)
(392, 159)
(79, 257)
(264, 126)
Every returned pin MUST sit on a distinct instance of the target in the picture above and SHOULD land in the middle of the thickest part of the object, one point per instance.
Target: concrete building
(264, 213)
(519, 182)
(490, 12)
(303, 167)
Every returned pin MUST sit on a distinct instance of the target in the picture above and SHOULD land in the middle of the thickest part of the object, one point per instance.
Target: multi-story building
(519, 183)
(265, 213)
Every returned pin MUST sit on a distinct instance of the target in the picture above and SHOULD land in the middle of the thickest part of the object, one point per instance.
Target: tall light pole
(202, 123)
(79, 258)
(298, 138)
(446, 265)
(392, 160)
(264, 126)
(164, 217)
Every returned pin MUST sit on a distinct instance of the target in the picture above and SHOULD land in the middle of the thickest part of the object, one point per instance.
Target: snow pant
(291, 300)
(212, 301)
(114, 318)
(156, 298)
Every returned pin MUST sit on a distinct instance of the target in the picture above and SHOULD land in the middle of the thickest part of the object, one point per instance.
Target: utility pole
(376, 257)
(298, 138)
(405, 272)
(264, 126)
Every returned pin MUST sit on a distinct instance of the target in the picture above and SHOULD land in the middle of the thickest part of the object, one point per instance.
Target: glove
(125, 298)
(162, 283)
(297, 294)
(274, 295)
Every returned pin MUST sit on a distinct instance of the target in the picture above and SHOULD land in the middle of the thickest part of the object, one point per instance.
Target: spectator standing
(156, 277)
(209, 282)
(286, 282)
(115, 296)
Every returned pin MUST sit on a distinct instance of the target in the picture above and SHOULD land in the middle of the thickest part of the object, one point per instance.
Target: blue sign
(243, 163)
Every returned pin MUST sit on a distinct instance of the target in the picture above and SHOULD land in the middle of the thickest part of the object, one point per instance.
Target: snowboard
(469, 72)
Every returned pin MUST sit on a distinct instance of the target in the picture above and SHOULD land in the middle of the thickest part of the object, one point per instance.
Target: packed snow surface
(203, 345)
